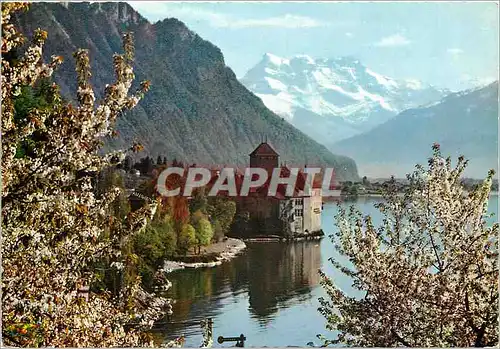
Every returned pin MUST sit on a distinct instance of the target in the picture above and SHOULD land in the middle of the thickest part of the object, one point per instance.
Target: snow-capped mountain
(463, 123)
(333, 99)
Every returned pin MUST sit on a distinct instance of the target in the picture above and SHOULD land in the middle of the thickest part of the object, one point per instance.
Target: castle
(283, 215)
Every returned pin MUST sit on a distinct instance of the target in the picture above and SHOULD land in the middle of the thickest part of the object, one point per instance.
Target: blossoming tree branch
(55, 228)
(428, 275)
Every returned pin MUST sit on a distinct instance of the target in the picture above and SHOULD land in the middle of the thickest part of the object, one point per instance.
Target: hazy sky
(445, 44)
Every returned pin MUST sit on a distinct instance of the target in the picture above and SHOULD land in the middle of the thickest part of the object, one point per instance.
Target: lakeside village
(350, 191)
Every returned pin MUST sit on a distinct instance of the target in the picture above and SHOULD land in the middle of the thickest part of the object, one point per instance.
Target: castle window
(298, 212)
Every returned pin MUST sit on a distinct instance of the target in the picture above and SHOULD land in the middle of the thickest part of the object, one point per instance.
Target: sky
(448, 44)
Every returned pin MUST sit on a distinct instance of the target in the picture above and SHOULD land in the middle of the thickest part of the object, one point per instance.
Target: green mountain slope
(196, 110)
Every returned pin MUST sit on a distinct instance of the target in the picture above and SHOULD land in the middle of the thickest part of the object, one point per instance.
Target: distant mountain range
(333, 99)
(196, 110)
(464, 123)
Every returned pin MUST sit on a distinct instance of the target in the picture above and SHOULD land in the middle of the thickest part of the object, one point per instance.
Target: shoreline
(317, 235)
(219, 252)
(375, 195)
(279, 239)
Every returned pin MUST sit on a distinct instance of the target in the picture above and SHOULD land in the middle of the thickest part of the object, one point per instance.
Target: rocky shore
(211, 256)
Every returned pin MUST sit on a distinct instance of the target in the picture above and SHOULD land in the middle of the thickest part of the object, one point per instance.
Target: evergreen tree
(128, 163)
(149, 165)
(145, 165)
(365, 181)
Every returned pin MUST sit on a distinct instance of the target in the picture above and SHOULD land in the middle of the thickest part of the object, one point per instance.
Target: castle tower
(264, 156)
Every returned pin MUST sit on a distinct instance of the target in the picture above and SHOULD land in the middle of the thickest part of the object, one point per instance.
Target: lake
(269, 293)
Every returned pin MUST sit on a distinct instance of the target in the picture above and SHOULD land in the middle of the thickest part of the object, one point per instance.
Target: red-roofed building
(264, 156)
(281, 214)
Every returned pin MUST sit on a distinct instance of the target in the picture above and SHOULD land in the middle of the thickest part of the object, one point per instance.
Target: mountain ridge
(463, 123)
(196, 110)
(350, 97)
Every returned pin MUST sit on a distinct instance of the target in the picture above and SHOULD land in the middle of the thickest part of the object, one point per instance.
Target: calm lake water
(269, 293)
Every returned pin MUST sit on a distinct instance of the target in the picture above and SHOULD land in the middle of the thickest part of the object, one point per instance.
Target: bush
(197, 216)
(153, 246)
(222, 210)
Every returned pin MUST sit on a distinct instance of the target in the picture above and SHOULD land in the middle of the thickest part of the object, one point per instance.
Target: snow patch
(326, 71)
(276, 84)
(413, 84)
(326, 81)
(284, 88)
(280, 104)
(382, 80)
(351, 72)
(361, 96)
(321, 107)
(60, 26)
(270, 71)
(277, 60)
(374, 97)
(307, 58)
(298, 89)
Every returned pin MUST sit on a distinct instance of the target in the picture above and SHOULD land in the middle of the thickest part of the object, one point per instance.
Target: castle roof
(264, 148)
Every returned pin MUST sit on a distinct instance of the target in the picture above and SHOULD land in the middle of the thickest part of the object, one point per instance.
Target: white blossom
(53, 223)
(428, 274)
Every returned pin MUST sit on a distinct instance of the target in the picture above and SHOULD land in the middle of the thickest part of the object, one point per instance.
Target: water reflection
(270, 276)
(279, 273)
